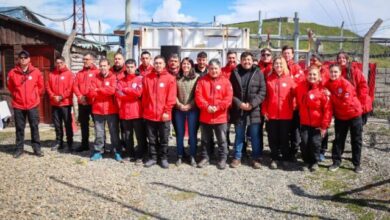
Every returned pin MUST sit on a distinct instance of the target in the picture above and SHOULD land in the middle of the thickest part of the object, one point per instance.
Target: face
(186, 66)
(130, 68)
(104, 67)
(118, 60)
(60, 64)
(266, 57)
(314, 61)
(247, 62)
(342, 60)
(278, 67)
(24, 60)
(232, 59)
(214, 70)
(288, 54)
(173, 63)
(88, 61)
(313, 76)
(335, 73)
(159, 65)
(202, 62)
(145, 60)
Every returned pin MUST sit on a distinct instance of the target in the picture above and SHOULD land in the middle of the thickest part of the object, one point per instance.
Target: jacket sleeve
(108, 90)
(41, 85)
(361, 88)
(327, 112)
(76, 89)
(260, 96)
(200, 101)
(171, 96)
(236, 101)
(48, 88)
(69, 90)
(131, 93)
(226, 102)
(10, 82)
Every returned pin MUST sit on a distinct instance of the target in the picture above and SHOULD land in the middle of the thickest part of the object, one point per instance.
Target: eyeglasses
(265, 55)
(23, 58)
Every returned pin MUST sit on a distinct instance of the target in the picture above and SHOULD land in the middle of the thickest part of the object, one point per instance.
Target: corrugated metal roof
(21, 13)
(165, 24)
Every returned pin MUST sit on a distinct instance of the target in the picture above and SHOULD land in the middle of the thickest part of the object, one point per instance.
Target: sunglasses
(265, 55)
(23, 58)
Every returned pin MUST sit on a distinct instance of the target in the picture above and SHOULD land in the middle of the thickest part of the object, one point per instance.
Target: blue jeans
(192, 118)
(254, 133)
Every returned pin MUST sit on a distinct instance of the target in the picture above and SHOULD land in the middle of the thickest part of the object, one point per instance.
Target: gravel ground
(66, 186)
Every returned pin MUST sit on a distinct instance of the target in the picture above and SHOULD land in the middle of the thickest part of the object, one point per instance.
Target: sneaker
(358, 169)
(221, 164)
(178, 162)
(256, 164)
(96, 156)
(38, 152)
(56, 146)
(138, 162)
(273, 165)
(81, 149)
(322, 157)
(150, 163)
(118, 157)
(314, 167)
(192, 161)
(18, 153)
(286, 164)
(334, 167)
(235, 163)
(164, 164)
(305, 168)
(203, 163)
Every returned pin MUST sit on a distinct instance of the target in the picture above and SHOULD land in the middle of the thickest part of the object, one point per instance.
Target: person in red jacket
(213, 96)
(128, 95)
(355, 76)
(347, 111)
(315, 113)
(265, 63)
(145, 68)
(81, 85)
(158, 99)
(119, 68)
(105, 110)
(277, 109)
(59, 87)
(231, 64)
(298, 76)
(25, 83)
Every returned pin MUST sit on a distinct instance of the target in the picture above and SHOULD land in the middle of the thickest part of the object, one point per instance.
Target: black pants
(324, 143)
(311, 144)
(20, 124)
(130, 127)
(355, 126)
(207, 132)
(85, 112)
(279, 138)
(295, 137)
(63, 115)
(158, 137)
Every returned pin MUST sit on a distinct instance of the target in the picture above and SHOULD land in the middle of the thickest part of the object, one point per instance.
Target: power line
(326, 12)
(54, 19)
(338, 9)
(89, 26)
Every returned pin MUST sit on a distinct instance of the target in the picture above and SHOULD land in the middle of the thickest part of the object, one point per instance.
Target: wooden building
(21, 30)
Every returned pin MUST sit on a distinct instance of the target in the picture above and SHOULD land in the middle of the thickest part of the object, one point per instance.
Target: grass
(382, 113)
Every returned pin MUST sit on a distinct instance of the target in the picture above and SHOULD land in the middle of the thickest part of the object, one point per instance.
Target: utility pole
(128, 33)
(366, 45)
(79, 16)
(296, 37)
(341, 34)
(259, 30)
(280, 29)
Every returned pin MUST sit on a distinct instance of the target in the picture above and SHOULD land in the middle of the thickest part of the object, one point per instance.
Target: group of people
(295, 105)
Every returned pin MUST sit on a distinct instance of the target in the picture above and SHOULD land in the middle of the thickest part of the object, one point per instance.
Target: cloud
(169, 11)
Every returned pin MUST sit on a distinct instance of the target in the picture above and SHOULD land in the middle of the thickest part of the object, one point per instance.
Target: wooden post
(366, 45)
(259, 30)
(128, 33)
(341, 35)
(296, 37)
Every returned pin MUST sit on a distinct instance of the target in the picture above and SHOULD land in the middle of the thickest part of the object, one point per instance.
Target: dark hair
(159, 57)
(118, 53)
(104, 60)
(60, 58)
(265, 49)
(202, 54)
(145, 52)
(89, 54)
(131, 61)
(231, 52)
(246, 54)
(344, 53)
(214, 62)
(335, 65)
(287, 47)
(174, 56)
(192, 73)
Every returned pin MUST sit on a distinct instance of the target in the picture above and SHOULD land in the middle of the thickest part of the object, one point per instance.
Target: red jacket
(227, 70)
(143, 71)
(102, 94)
(314, 105)
(60, 83)
(215, 92)
(25, 88)
(82, 82)
(159, 95)
(357, 79)
(279, 101)
(296, 72)
(266, 68)
(120, 73)
(345, 103)
(128, 96)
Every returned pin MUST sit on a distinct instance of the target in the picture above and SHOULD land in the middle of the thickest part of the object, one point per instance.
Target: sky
(358, 15)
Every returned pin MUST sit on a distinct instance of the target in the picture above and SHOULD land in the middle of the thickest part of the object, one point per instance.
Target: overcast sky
(358, 15)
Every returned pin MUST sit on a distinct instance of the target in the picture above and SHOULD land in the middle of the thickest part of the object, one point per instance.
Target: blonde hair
(284, 64)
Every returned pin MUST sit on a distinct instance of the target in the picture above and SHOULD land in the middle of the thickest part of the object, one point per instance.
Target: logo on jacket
(90, 75)
(162, 85)
(107, 83)
(311, 96)
(62, 77)
(29, 77)
(346, 94)
(218, 87)
(284, 84)
(340, 90)
(134, 85)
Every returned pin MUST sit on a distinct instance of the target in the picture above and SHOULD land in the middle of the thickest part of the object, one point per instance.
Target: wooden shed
(21, 30)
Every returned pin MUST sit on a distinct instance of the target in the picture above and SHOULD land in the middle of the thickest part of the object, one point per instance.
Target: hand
(266, 117)
(58, 98)
(243, 106)
(212, 109)
(165, 117)
(185, 108)
(323, 132)
(83, 100)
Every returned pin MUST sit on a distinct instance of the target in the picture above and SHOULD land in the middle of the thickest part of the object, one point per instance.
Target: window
(6, 64)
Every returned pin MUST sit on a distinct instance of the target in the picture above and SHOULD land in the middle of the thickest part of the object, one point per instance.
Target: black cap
(24, 52)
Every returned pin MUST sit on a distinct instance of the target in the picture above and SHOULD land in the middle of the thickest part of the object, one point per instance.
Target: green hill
(271, 27)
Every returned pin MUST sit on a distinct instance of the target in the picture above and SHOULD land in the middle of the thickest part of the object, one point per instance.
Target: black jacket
(256, 92)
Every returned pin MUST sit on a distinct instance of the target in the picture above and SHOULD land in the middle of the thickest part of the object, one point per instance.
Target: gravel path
(66, 186)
